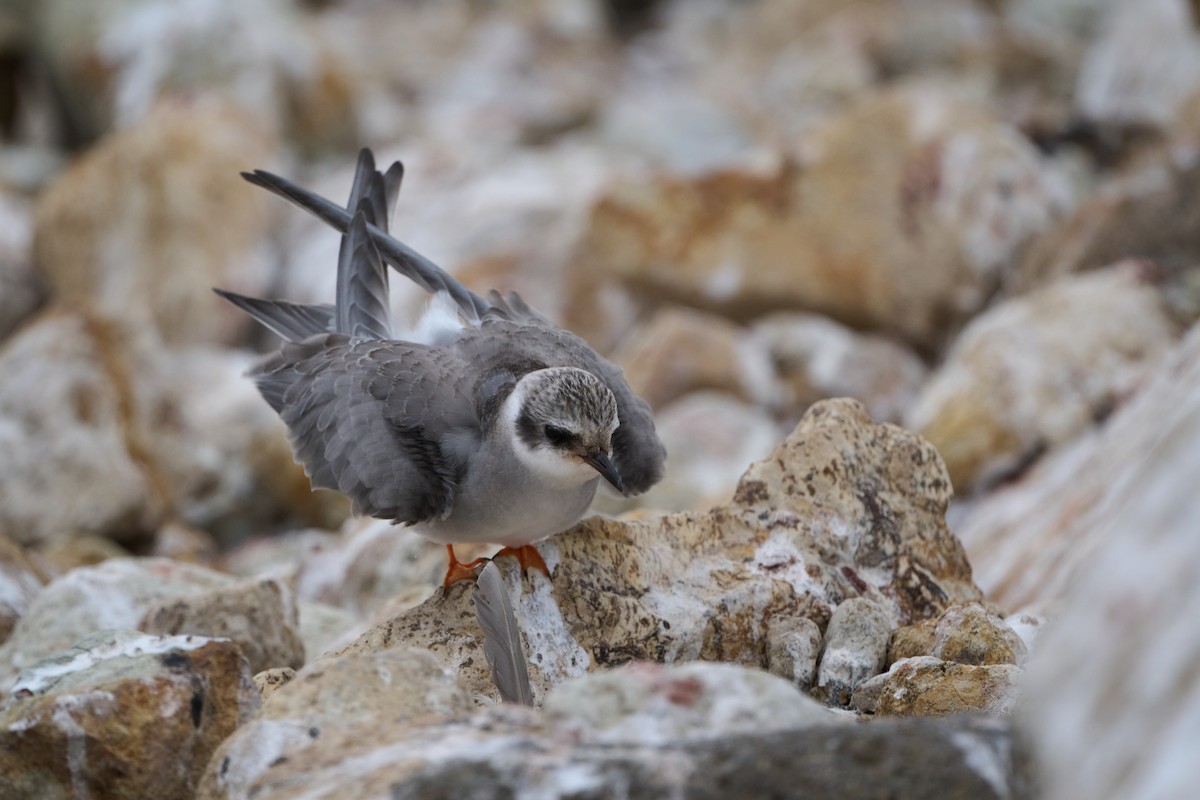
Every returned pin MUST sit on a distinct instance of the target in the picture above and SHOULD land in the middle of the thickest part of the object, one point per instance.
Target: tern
(489, 424)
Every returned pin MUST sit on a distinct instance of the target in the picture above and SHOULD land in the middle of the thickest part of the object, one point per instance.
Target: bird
(485, 423)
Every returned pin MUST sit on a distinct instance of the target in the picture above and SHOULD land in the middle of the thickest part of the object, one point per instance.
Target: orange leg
(528, 557)
(458, 571)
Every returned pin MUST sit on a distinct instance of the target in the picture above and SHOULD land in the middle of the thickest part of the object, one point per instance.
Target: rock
(350, 694)
(855, 647)
(680, 351)
(113, 594)
(649, 704)
(20, 582)
(969, 635)
(816, 358)
(1030, 538)
(930, 687)
(1111, 703)
(175, 699)
(711, 438)
(72, 463)
(843, 508)
(21, 288)
(112, 62)
(966, 634)
(123, 436)
(793, 646)
(260, 617)
(1036, 371)
(1148, 211)
(515, 752)
(1120, 88)
(271, 680)
(952, 194)
(149, 254)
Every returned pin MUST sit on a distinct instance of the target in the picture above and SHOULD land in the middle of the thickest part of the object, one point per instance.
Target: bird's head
(563, 421)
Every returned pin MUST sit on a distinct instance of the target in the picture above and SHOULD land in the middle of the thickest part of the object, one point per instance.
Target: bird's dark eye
(558, 436)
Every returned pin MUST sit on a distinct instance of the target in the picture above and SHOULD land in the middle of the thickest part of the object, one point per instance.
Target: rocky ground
(911, 286)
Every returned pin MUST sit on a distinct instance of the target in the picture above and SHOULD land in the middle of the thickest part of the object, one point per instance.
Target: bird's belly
(513, 515)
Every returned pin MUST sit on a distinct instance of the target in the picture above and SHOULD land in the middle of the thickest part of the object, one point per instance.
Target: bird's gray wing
(380, 421)
(292, 321)
(519, 340)
(363, 305)
(410, 263)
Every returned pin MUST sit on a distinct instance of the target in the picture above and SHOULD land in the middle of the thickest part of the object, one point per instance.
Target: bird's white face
(561, 422)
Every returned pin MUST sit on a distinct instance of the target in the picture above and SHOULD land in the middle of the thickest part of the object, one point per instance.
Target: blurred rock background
(979, 218)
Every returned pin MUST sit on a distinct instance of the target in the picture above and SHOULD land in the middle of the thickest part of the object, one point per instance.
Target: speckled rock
(1112, 698)
(902, 216)
(20, 581)
(1028, 539)
(271, 680)
(648, 704)
(930, 687)
(680, 351)
(113, 594)
(854, 650)
(514, 751)
(816, 358)
(966, 634)
(843, 508)
(176, 699)
(150, 253)
(350, 694)
(1038, 370)
(793, 647)
(260, 617)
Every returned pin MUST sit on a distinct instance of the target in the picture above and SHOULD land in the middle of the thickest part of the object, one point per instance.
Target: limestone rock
(260, 617)
(1112, 700)
(927, 686)
(271, 680)
(652, 704)
(1029, 539)
(966, 634)
(176, 698)
(680, 351)
(816, 358)
(1036, 371)
(513, 751)
(1143, 67)
(349, 694)
(113, 594)
(855, 647)
(20, 581)
(181, 222)
(843, 508)
(793, 647)
(901, 218)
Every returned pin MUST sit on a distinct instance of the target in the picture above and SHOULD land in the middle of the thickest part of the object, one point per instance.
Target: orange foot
(458, 571)
(528, 557)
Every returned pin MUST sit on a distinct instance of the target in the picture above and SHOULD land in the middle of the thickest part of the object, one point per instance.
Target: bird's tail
(408, 262)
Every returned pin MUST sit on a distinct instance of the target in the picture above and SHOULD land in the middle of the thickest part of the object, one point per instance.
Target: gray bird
(491, 425)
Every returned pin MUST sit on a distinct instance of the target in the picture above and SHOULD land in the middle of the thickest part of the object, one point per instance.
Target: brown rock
(123, 715)
(909, 206)
(259, 616)
(149, 252)
(1038, 370)
(680, 351)
(843, 508)
(966, 634)
(927, 686)
(913, 640)
(308, 718)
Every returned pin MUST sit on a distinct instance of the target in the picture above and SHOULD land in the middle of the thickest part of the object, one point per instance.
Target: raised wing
(382, 422)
